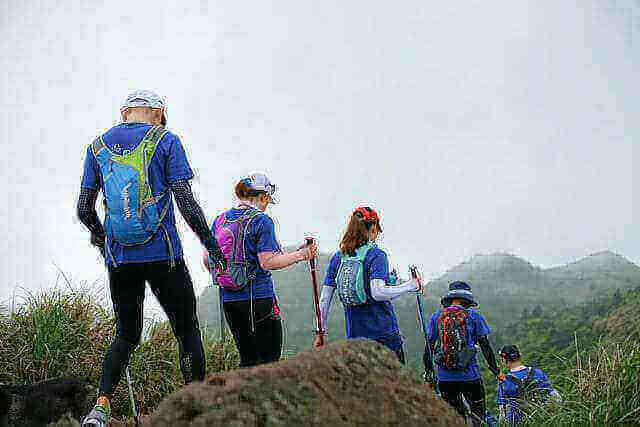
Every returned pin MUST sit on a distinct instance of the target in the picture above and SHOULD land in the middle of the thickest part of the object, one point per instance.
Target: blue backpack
(132, 212)
(350, 277)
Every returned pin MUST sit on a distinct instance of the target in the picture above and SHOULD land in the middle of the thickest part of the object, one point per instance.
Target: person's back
(167, 165)
(453, 333)
(139, 165)
(248, 241)
(524, 388)
(359, 271)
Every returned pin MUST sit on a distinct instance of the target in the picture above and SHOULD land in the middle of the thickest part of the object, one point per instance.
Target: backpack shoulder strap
(97, 145)
(361, 253)
(220, 220)
(529, 377)
(151, 139)
(517, 381)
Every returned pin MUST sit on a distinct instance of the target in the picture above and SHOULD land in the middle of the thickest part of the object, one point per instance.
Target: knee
(124, 345)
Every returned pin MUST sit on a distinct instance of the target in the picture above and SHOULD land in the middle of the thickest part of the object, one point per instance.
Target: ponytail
(356, 235)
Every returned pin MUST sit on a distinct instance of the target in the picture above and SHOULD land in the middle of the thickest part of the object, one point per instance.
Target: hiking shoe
(98, 417)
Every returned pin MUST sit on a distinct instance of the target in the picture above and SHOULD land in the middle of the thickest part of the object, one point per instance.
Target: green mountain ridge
(505, 285)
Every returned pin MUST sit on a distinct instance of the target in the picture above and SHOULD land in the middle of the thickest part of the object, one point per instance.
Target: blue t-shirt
(260, 237)
(477, 328)
(168, 164)
(375, 320)
(508, 392)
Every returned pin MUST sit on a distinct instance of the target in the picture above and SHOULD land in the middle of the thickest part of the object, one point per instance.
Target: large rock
(46, 402)
(356, 382)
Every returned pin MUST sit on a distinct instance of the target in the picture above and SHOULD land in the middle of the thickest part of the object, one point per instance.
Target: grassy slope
(592, 354)
(65, 332)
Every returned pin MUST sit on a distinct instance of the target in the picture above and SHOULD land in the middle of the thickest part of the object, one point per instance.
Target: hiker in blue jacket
(453, 332)
(360, 273)
(139, 166)
(523, 389)
(249, 302)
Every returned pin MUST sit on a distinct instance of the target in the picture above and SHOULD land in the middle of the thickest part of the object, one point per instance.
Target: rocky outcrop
(355, 382)
(46, 402)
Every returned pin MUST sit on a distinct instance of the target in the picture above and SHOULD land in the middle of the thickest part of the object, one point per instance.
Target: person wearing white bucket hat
(139, 165)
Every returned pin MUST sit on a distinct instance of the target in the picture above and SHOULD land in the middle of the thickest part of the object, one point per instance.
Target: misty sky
(473, 126)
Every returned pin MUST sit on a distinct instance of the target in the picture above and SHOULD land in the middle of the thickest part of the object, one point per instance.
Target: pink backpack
(230, 235)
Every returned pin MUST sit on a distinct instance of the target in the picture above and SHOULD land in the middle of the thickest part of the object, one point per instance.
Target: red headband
(368, 215)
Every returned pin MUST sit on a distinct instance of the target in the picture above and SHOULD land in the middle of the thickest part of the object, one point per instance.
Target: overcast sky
(473, 126)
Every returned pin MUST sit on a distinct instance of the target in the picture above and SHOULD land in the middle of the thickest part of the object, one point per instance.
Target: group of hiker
(141, 167)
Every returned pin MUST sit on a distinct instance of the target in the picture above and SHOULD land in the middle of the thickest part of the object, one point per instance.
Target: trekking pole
(220, 309)
(316, 298)
(133, 401)
(413, 270)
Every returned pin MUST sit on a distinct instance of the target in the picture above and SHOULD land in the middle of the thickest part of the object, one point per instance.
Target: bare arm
(277, 261)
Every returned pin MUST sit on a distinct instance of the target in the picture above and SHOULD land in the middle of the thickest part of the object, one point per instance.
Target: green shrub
(602, 388)
(65, 332)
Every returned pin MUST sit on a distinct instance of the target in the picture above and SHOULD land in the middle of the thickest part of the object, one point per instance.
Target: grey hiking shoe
(98, 417)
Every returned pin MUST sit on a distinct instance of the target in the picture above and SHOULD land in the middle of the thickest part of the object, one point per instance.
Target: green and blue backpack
(132, 211)
(350, 277)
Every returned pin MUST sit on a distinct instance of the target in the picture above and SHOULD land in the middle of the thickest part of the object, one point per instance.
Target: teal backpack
(350, 277)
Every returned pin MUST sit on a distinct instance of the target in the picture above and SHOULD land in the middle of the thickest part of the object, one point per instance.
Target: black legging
(473, 392)
(174, 290)
(264, 345)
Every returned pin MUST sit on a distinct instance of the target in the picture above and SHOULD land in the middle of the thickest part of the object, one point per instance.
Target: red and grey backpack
(452, 350)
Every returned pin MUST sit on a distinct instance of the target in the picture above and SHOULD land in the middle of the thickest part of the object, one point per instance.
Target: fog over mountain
(503, 284)
(475, 127)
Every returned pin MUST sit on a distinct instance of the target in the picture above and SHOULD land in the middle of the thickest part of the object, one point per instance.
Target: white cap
(259, 181)
(145, 98)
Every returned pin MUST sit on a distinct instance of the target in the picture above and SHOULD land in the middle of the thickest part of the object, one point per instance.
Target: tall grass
(65, 332)
(602, 388)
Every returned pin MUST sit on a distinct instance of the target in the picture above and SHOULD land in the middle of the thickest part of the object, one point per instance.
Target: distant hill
(506, 286)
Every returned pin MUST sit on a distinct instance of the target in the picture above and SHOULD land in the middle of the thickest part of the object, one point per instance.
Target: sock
(103, 402)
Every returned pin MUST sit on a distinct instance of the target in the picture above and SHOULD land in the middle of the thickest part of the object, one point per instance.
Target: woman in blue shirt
(252, 312)
(374, 319)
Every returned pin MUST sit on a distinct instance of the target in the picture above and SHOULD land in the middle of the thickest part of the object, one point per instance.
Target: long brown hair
(357, 233)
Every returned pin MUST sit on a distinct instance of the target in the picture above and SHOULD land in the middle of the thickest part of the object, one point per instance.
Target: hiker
(523, 389)
(249, 300)
(138, 164)
(453, 332)
(360, 273)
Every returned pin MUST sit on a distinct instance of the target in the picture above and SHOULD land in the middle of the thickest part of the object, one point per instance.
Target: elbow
(375, 293)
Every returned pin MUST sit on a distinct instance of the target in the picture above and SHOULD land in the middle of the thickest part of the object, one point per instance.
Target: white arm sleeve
(381, 292)
(325, 304)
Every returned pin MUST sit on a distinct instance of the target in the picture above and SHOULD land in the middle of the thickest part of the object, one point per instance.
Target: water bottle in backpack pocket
(230, 235)
(452, 350)
(350, 277)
